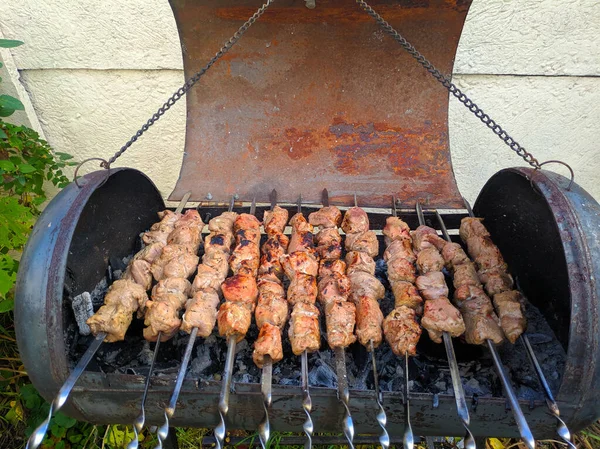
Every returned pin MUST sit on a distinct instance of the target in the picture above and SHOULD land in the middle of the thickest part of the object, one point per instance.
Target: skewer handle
(225, 389)
(162, 432)
(344, 394)
(524, 430)
(264, 428)
(561, 427)
(384, 438)
(409, 437)
(138, 423)
(38, 434)
(306, 402)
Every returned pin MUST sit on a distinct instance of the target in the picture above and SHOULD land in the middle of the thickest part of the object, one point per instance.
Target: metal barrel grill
(313, 99)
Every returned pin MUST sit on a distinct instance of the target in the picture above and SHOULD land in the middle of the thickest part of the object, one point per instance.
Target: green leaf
(2, 133)
(63, 156)
(58, 431)
(10, 43)
(26, 168)
(6, 101)
(6, 306)
(7, 166)
(64, 421)
(60, 445)
(6, 112)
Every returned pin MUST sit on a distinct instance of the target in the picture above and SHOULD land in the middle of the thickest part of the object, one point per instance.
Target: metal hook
(104, 164)
(554, 161)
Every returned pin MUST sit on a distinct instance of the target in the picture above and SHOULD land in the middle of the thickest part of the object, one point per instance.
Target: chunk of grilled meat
(201, 312)
(329, 243)
(172, 285)
(440, 316)
(481, 322)
(496, 280)
(335, 287)
(207, 278)
(425, 237)
(355, 220)
(402, 332)
(406, 294)
(159, 232)
(359, 261)
(395, 229)
(223, 223)
(369, 319)
(299, 262)
(267, 343)
(432, 285)
(162, 315)
(139, 272)
(234, 319)
(302, 235)
(365, 284)
(510, 310)
(328, 267)
(150, 252)
(400, 249)
(123, 298)
(272, 250)
(472, 227)
(429, 259)
(465, 274)
(365, 242)
(241, 289)
(485, 254)
(304, 328)
(174, 261)
(273, 310)
(275, 220)
(220, 242)
(454, 255)
(341, 318)
(399, 269)
(302, 289)
(188, 236)
(326, 217)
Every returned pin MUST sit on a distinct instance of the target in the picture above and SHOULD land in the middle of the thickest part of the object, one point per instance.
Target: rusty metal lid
(321, 98)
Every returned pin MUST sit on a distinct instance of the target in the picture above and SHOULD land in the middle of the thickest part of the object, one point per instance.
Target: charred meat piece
(335, 287)
(341, 317)
(365, 242)
(400, 249)
(326, 217)
(234, 319)
(368, 321)
(302, 289)
(328, 267)
(399, 269)
(241, 289)
(355, 220)
(359, 261)
(123, 298)
(304, 330)
(510, 311)
(267, 343)
(272, 251)
(395, 229)
(429, 259)
(402, 332)
(218, 242)
(406, 294)
(329, 244)
(496, 280)
(275, 220)
(299, 262)
(201, 312)
(426, 237)
(302, 235)
(441, 316)
(245, 258)
(365, 284)
(432, 285)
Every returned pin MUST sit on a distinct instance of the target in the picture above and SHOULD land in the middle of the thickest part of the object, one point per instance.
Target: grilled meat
(472, 227)
(402, 332)
(481, 322)
(329, 243)
(406, 294)
(234, 319)
(223, 223)
(299, 262)
(432, 285)
(365, 284)
(271, 309)
(267, 343)
(369, 321)
(302, 235)
(326, 217)
(159, 232)
(510, 311)
(303, 288)
(241, 289)
(139, 272)
(400, 269)
(429, 259)
(304, 328)
(454, 254)
(333, 287)
(395, 229)
(365, 242)
(275, 220)
(425, 237)
(340, 320)
(272, 251)
(359, 261)
(440, 316)
(355, 221)
(328, 267)
(400, 249)
(201, 312)
(174, 261)
(162, 315)
(496, 280)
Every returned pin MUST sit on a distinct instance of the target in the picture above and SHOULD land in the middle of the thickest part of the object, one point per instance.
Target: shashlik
(201, 308)
(240, 290)
(401, 328)
(492, 272)
(302, 292)
(333, 285)
(365, 289)
(272, 309)
(439, 315)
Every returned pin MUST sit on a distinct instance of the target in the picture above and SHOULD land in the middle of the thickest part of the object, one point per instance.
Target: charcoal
(83, 309)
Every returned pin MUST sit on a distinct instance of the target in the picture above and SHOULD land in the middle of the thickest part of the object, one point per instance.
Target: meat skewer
(300, 266)
(368, 315)
(138, 423)
(240, 293)
(402, 331)
(561, 427)
(459, 393)
(201, 308)
(272, 310)
(524, 429)
(121, 302)
(340, 315)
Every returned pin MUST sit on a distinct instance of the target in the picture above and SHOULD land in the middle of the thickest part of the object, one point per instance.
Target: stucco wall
(95, 71)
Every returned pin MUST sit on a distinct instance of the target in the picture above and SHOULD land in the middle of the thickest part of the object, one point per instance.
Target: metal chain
(445, 81)
(189, 83)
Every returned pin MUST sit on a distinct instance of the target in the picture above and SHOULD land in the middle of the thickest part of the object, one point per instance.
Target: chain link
(189, 83)
(445, 81)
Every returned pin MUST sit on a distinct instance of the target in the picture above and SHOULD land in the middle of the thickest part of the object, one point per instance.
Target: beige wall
(95, 71)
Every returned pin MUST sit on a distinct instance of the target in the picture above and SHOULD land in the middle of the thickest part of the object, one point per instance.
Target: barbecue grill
(313, 99)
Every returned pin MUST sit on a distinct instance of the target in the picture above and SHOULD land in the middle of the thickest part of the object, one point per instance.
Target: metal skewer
(38, 434)
(408, 438)
(384, 437)
(459, 393)
(62, 396)
(226, 386)
(524, 430)
(138, 423)
(308, 425)
(162, 432)
(264, 428)
(561, 427)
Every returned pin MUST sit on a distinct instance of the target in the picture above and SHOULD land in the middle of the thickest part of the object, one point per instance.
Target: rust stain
(300, 144)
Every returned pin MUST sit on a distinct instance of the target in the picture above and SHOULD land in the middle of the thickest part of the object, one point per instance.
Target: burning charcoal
(99, 292)
(322, 376)
(201, 361)
(83, 309)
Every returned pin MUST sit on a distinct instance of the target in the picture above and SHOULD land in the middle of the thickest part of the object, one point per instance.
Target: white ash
(82, 309)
